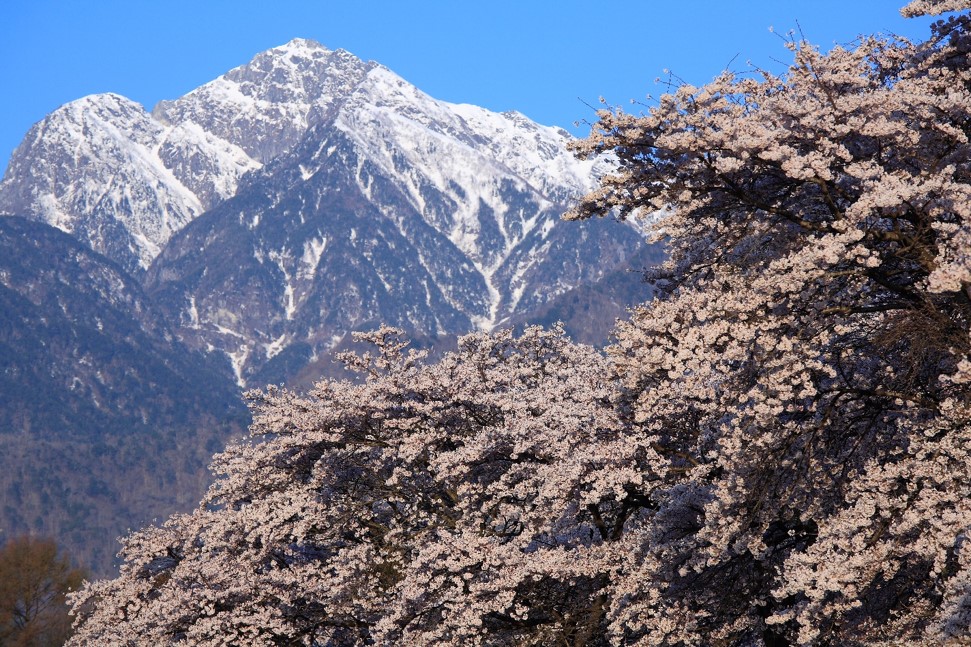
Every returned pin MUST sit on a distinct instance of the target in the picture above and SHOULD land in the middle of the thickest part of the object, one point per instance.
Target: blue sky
(545, 58)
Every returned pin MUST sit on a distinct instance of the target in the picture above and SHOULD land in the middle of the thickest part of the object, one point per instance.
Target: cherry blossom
(803, 373)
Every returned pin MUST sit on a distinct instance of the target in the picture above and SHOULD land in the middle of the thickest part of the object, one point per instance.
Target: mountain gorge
(259, 219)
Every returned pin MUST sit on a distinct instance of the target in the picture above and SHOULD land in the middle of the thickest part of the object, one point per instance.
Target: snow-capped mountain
(266, 106)
(392, 207)
(336, 196)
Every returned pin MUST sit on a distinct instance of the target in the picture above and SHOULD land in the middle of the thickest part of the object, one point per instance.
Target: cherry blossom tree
(467, 502)
(775, 451)
(804, 374)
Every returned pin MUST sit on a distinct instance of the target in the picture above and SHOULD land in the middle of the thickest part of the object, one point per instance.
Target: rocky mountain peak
(299, 46)
(92, 168)
(267, 105)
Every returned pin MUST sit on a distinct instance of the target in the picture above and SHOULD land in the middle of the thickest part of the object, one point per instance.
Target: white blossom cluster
(776, 451)
(804, 376)
(442, 504)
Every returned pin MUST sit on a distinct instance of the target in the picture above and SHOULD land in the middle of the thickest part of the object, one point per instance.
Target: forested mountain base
(106, 421)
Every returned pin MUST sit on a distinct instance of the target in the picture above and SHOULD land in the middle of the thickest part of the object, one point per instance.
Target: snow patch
(238, 360)
(193, 313)
(274, 347)
(282, 258)
(313, 249)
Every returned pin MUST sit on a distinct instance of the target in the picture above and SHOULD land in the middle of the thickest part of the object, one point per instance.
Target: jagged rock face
(123, 180)
(287, 262)
(336, 196)
(337, 245)
(266, 106)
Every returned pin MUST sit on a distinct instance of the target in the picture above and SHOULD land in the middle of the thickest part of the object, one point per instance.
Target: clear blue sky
(545, 58)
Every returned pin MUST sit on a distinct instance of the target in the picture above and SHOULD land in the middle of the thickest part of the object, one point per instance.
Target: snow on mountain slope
(395, 208)
(536, 153)
(101, 168)
(500, 183)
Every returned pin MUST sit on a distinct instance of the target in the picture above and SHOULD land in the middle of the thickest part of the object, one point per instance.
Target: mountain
(117, 179)
(391, 207)
(106, 419)
(309, 193)
(589, 311)
(324, 241)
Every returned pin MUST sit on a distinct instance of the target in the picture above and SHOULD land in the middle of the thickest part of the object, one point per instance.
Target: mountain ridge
(475, 197)
(106, 419)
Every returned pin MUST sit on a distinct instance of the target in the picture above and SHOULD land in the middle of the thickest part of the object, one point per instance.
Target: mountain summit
(123, 180)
